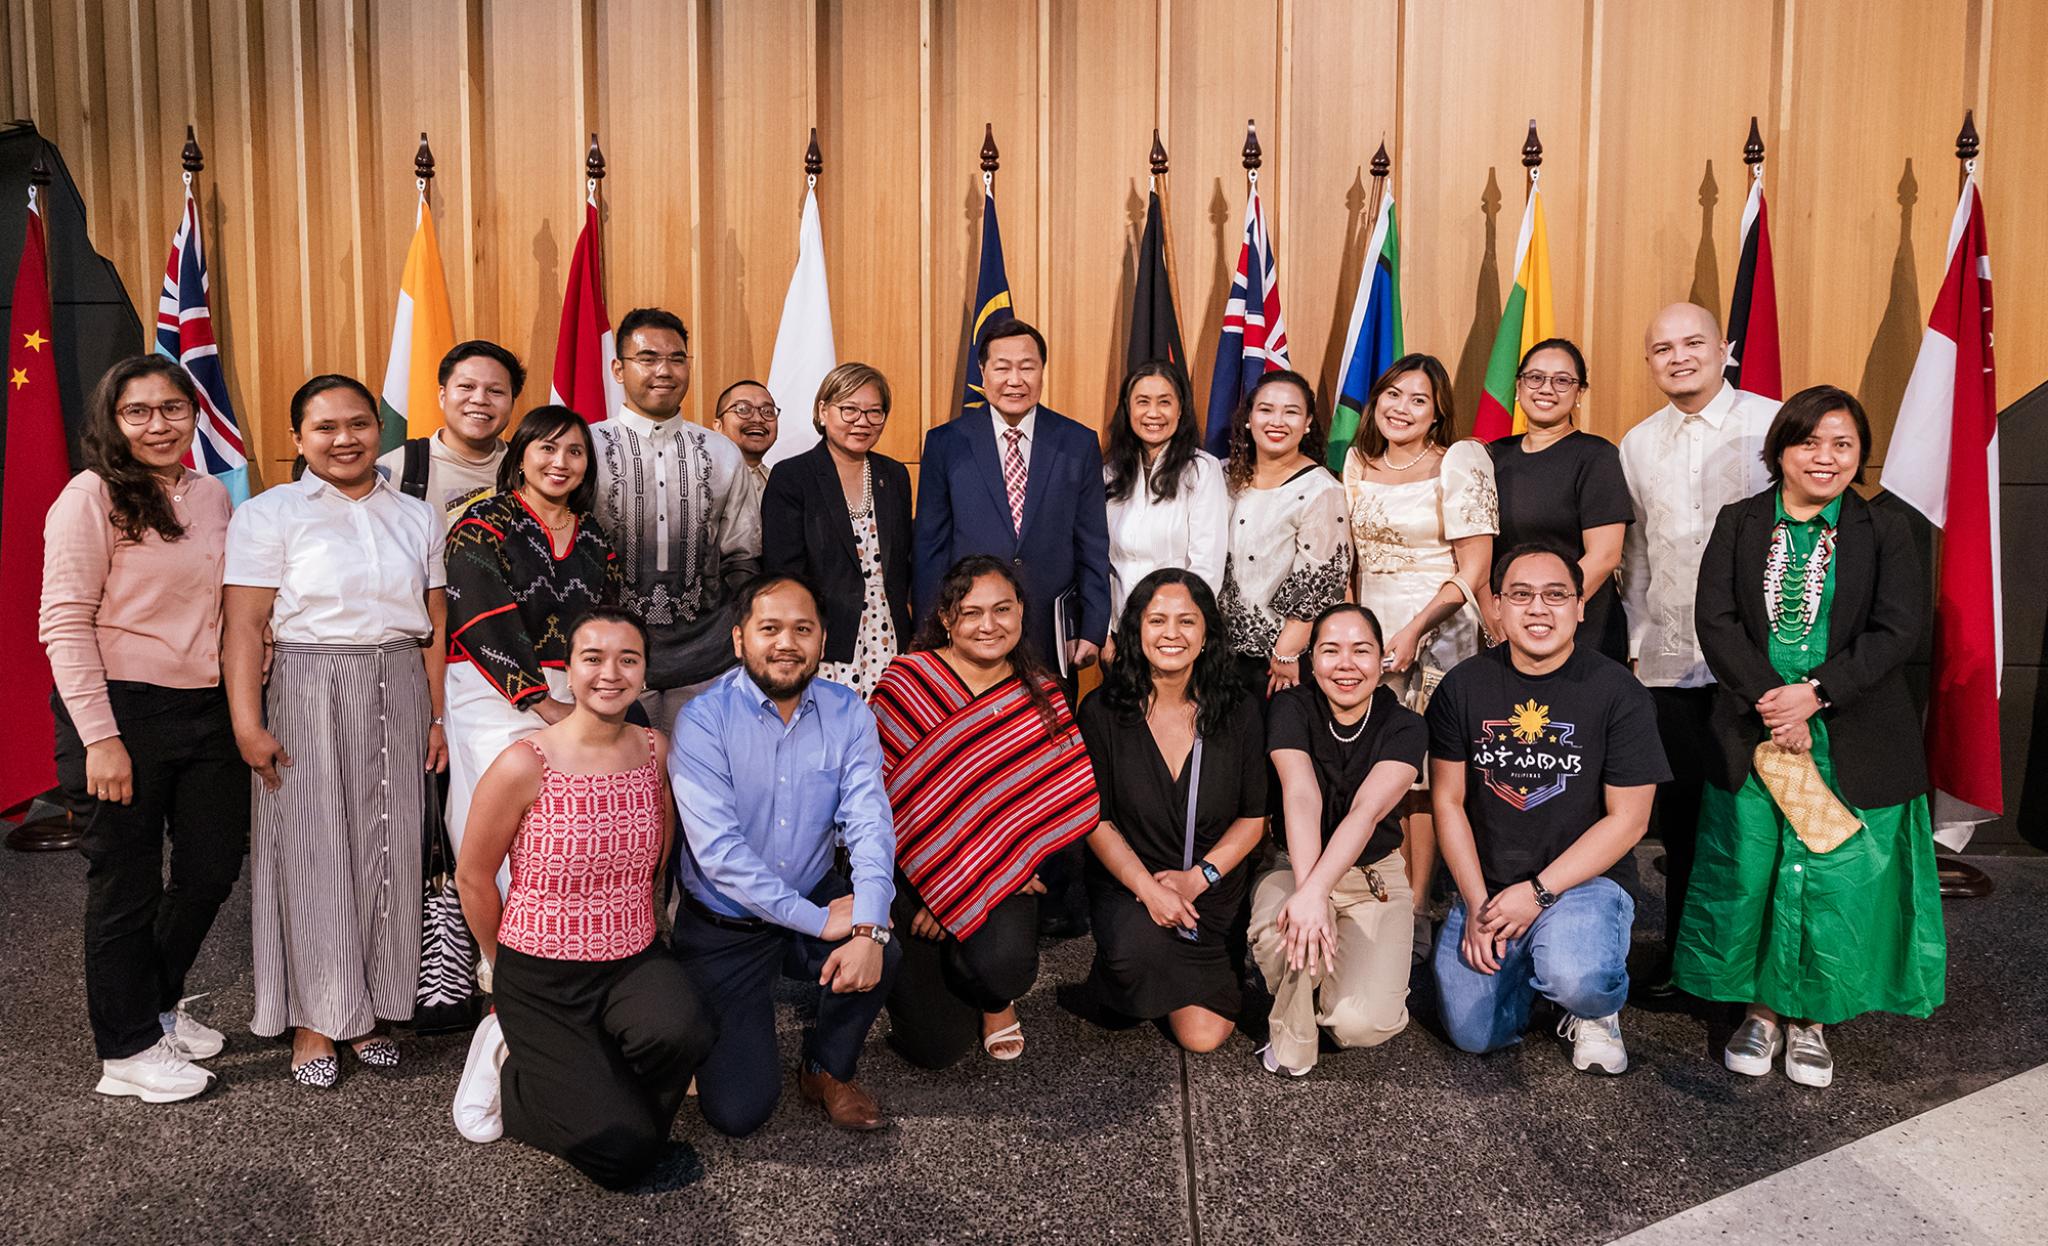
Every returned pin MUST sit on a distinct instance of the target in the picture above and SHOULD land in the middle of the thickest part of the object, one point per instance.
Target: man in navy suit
(1022, 482)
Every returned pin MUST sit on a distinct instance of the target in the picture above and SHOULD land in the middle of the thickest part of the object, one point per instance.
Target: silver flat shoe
(1807, 1058)
(1752, 1046)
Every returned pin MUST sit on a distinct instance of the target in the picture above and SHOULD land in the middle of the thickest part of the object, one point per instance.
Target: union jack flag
(1254, 338)
(184, 332)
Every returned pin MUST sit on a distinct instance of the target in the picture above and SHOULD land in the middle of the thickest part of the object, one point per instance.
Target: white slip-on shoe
(1271, 1063)
(1807, 1058)
(1753, 1045)
(478, 1112)
(1596, 1043)
(156, 1074)
(198, 1041)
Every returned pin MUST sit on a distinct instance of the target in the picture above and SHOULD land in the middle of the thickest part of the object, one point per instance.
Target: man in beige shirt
(747, 415)
(459, 463)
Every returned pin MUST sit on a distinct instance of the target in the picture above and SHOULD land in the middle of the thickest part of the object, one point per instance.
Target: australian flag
(1254, 337)
(184, 332)
(991, 301)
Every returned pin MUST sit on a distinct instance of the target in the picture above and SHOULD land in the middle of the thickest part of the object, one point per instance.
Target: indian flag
(1526, 320)
(421, 332)
(1373, 341)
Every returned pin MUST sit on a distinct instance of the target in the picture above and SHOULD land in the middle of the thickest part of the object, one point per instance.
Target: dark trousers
(599, 1056)
(735, 972)
(1682, 715)
(944, 987)
(141, 933)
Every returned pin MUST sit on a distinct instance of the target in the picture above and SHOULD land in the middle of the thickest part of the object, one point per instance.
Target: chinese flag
(37, 467)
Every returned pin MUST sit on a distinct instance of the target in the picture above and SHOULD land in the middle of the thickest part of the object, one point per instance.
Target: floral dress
(876, 641)
(1289, 558)
(1403, 534)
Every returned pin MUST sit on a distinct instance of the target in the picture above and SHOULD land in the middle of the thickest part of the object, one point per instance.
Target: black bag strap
(1187, 852)
(438, 857)
(412, 478)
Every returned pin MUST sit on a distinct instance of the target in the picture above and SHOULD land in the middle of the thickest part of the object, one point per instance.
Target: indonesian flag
(1753, 363)
(1527, 319)
(804, 352)
(583, 348)
(1944, 463)
(422, 331)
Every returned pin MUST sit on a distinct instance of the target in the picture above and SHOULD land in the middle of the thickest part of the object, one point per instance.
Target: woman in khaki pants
(1330, 921)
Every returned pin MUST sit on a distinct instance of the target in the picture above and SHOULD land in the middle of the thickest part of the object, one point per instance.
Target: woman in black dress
(1563, 485)
(1164, 887)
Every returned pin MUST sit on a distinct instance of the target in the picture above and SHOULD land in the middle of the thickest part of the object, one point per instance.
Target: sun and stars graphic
(1526, 757)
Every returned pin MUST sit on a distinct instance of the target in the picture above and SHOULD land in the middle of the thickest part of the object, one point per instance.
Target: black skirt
(1145, 970)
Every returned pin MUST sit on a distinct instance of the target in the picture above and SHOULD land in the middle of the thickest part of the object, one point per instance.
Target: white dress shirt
(348, 571)
(1682, 469)
(1026, 426)
(1190, 530)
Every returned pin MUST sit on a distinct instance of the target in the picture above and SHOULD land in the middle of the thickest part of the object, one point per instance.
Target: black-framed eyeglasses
(1540, 381)
(860, 415)
(649, 360)
(748, 410)
(139, 414)
(1550, 596)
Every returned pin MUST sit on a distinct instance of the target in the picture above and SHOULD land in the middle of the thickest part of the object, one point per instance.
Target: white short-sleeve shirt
(347, 571)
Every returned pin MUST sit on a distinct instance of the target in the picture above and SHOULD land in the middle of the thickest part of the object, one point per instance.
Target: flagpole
(1382, 169)
(1753, 152)
(593, 170)
(991, 159)
(1959, 878)
(422, 168)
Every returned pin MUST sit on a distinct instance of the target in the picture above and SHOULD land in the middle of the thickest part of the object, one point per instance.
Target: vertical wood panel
(2015, 198)
(867, 201)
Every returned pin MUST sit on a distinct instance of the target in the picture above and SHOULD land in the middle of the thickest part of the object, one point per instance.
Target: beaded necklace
(1792, 620)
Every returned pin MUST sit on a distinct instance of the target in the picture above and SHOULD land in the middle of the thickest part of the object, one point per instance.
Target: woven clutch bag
(1820, 819)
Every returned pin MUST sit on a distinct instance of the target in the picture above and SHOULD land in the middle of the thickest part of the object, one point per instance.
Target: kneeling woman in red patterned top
(987, 777)
(597, 1030)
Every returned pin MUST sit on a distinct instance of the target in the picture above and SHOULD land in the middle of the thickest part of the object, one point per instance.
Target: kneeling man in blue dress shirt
(771, 769)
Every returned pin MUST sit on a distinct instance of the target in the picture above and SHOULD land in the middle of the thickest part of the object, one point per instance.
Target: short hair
(718, 406)
(1527, 549)
(844, 382)
(607, 614)
(751, 591)
(541, 424)
(647, 318)
(477, 348)
(1372, 623)
(1372, 443)
(1001, 329)
(1566, 345)
(325, 383)
(1801, 414)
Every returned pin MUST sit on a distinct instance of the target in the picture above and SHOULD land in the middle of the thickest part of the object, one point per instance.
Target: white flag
(803, 344)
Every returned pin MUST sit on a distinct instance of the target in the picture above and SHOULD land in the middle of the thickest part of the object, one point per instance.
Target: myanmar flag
(421, 332)
(1527, 320)
(1373, 342)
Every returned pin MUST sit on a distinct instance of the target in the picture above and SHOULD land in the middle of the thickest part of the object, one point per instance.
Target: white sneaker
(1596, 1043)
(198, 1041)
(479, 1115)
(158, 1074)
(1271, 1063)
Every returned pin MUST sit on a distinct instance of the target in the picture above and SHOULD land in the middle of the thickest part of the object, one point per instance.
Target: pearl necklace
(1353, 737)
(1387, 462)
(1791, 622)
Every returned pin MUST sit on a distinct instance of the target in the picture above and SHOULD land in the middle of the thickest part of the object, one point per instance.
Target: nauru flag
(1944, 463)
(1527, 319)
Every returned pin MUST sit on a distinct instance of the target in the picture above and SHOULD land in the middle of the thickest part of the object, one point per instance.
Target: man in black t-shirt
(1544, 758)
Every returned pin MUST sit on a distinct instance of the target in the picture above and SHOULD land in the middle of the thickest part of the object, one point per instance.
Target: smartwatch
(1210, 873)
(1818, 694)
(1544, 898)
(867, 930)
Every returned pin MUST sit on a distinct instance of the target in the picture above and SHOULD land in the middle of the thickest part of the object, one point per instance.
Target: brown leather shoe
(846, 1105)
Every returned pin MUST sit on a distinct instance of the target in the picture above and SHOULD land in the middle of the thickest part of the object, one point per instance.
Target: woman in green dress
(1810, 602)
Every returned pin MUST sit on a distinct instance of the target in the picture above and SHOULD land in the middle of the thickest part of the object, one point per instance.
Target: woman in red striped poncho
(987, 776)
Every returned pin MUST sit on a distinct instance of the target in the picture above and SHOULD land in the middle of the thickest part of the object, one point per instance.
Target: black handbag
(447, 998)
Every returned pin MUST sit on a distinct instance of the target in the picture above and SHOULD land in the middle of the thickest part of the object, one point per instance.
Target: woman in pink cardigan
(131, 614)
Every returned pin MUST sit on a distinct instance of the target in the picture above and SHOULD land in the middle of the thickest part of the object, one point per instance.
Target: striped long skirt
(335, 850)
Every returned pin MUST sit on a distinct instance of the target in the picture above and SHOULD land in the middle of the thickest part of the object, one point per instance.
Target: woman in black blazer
(1810, 603)
(839, 516)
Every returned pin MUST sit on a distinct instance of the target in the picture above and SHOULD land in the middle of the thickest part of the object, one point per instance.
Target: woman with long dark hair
(1811, 602)
(131, 616)
(343, 733)
(987, 777)
(1168, 506)
(1180, 768)
(1290, 549)
(522, 563)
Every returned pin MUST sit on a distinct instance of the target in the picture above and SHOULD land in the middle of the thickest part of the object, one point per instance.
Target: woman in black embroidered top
(522, 563)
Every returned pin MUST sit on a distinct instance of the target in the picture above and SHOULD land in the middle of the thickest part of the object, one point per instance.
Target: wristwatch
(868, 930)
(1210, 874)
(1819, 695)
(1544, 898)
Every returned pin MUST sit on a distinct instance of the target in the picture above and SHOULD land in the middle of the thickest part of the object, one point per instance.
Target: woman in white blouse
(341, 731)
(1424, 512)
(1289, 551)
(1167, 502)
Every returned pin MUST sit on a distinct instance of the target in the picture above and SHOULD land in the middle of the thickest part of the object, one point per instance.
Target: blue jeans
(1576, 955)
